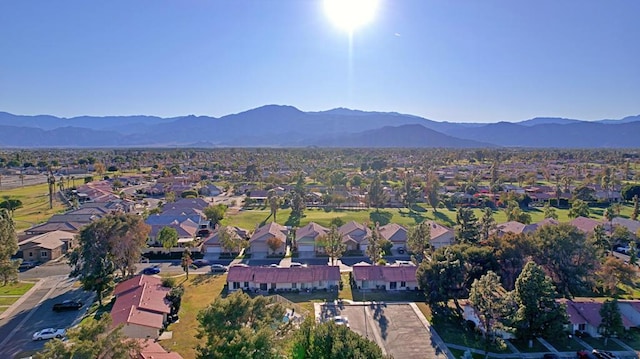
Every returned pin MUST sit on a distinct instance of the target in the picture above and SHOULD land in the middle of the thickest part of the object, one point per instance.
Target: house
(47, 246)
(212, 245)
(399, 277)
(306, 238)
(186, 230)
(631, 310)
(584, 316)
(469, 313)
(586, 225)
(521, 228)
(396, 234)
(283, 279)
(441, 236)
(56, 226)
(210, 190)
(258, 242)
(152, 350)
(141, 307)
(355, 235)
(632, 226)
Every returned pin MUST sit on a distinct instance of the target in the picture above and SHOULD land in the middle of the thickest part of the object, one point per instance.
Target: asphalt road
(35, 314)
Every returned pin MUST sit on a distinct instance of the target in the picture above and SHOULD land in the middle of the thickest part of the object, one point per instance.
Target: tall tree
(419, 241)
(374, 248)
(230, 240)
(186, 261)
(567, 255)
(487, 224)
(431, 191)
(550, 212)
(8, 247)
(442, 278)
(11, 204)
(112, 243)
(538, 314)
(486, 297)
(611, 324)
(168, 237)
(615, 272)
(274, 203)
(93, 339)
(328, 340)
(332, 244)
(466, 229)
(215, 213)
(377, 196)
(239, 326)
(636, 207)
(579, 208)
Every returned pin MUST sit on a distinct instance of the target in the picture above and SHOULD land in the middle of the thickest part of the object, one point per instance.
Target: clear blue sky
(467, 61)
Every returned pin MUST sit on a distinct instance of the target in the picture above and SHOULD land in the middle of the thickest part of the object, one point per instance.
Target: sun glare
(350, 14)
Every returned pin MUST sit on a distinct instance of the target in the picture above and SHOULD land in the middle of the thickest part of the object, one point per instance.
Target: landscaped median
(11, 293)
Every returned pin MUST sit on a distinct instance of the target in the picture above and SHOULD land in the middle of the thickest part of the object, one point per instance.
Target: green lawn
(564, 344)
(523, 346)
(200, 291)
(452, 331)
(250, 218)
(598, 343)
(7, 301)
(35, 205)
(19, 288)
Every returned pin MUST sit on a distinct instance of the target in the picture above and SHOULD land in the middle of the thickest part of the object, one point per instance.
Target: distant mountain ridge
(287, 126)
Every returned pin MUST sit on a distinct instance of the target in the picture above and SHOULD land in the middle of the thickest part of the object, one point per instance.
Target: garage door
(305, 248)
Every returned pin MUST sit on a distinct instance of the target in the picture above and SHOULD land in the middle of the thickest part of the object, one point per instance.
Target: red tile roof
(283, 275)
(385, 273)
(140, 300)
(587, 312)
(153, 350)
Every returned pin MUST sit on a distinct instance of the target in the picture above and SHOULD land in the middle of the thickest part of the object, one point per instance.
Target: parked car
(49, 333)
(67, 305)
(28, 264)
(218, 268)
(340, 320)
(151, 270)
(601, 354)
(297, 264)
(201, 263)
(583, 354)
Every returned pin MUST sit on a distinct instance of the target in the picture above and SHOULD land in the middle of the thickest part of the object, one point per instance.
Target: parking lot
(395, 327)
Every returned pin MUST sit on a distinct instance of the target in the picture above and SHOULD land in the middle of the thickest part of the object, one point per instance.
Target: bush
(168, 282)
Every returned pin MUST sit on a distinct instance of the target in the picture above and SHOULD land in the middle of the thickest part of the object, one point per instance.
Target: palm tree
(274, 202)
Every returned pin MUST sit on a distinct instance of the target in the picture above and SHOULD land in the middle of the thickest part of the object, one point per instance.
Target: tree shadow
(380, 217)
(380, 317)
(441, 217)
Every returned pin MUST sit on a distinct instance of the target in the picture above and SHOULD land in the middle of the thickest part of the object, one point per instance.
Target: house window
(403, 284)
(273, 286)
(44, 254)
(303, 285)
(246, 284)
(393, 285)
(294, 285)
(236, 285)
(320, 284)
(263, 286)
(582, 327)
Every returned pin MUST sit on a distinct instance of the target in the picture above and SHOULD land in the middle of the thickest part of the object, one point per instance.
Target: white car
(49, 333)
(340, 320)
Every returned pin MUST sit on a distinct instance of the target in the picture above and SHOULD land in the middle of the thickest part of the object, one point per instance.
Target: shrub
(168, 282)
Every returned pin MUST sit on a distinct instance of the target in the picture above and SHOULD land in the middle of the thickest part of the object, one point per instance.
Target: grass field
(19, 288)
(250, 218)
(35, 205)
(200, 291)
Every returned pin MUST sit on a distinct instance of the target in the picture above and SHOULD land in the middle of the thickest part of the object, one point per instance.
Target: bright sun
(350, 14)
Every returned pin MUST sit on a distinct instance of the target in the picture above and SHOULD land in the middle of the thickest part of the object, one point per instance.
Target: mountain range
(287, 126)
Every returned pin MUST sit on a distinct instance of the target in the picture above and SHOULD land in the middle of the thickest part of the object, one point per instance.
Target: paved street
(35, 314)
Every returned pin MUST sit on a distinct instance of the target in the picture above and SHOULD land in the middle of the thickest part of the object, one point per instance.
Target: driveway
(35, 313)
(395, 327)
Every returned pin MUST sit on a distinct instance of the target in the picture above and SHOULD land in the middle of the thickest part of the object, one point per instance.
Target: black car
(151, 270)
(200, 263)
(28, 264)
(67, 305)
